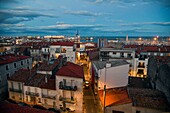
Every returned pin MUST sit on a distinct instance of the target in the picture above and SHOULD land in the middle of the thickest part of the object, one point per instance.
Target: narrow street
(89, 101)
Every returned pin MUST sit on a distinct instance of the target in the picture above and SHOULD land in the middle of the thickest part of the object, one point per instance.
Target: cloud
(146, 23)
(83, 13)
(160, 2)
(65, 26)
(16, 16)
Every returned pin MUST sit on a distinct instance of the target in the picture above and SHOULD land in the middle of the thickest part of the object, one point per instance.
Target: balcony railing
(141, 66)
(64, 87)
(48, 97)
(15, 90)
(32, 94)
(68, 100)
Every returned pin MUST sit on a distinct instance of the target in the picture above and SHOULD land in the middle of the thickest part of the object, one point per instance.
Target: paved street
(89, 101)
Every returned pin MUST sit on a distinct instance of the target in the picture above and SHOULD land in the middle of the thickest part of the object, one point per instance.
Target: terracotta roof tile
(9, 58)
(115, 96)
(22, 75)
(49, 85)
(14, 108)
(71, 70)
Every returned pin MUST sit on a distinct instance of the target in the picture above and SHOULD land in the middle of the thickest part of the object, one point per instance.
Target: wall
(115, 77)
(78, 94)
(11, 70)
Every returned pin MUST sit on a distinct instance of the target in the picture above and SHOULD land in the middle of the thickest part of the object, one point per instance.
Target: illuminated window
(63, 50)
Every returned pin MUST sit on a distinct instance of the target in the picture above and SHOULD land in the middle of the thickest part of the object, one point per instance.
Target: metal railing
(48, 97)
(32, 93)
(15, 90)
(67, 100)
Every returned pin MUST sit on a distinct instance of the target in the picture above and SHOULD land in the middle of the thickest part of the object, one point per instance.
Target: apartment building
(9, 64)
(109, 54)
(110, 73)
(67, 49)
(69, 85)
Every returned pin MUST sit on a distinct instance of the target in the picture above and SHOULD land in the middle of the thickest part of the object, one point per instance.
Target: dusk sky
(89, 17)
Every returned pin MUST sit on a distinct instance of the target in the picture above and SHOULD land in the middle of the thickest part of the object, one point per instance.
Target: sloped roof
(115, 96)
(9, 58)
(14, 108)
(71, 70)
(22, 75)
(114, 63)
(49, 85)
(149, 98)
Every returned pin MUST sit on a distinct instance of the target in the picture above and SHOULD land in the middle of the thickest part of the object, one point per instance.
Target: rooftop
(14, 108)
(48, 66)
(22, 75)
(63, 43)
(36, 80)
(71, 70)
(9, 58)
(50, 84)
(148, 98)
(114, 63)
(115, 96)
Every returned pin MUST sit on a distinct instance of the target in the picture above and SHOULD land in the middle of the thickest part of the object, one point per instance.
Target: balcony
(45, 52)
(65, 87)
(141, 66)
(32, 94)
(67, 100)
(48, 97)
(15, 90)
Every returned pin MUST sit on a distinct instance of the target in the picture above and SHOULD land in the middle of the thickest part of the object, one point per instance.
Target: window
(15, 65)
(19, 86)
(39, 100)
(54, 104)
(12, 86)
(45, 101)
(64, 81)
(21, 62)
(7, 75)
(26, 98)
(27, 61)
(114, 53)
(7, 68)
(137, 111)
(0, 78)
(63, 50)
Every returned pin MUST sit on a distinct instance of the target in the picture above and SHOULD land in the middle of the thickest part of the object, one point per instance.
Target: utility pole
(104, 93)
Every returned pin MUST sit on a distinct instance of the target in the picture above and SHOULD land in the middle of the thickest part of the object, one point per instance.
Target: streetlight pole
(104, 93)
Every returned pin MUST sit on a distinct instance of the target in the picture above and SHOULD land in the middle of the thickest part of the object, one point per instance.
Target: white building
(69, 85)
(112, 73)
(67, 49)
(109, 54)
(9, 64)
(140, 66)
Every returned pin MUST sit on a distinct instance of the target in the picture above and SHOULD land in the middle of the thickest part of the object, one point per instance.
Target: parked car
(86, 84)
